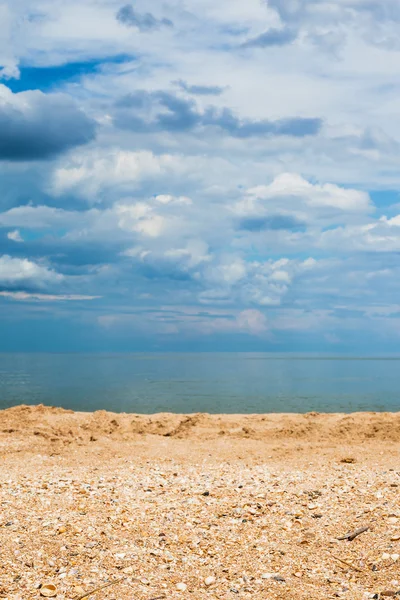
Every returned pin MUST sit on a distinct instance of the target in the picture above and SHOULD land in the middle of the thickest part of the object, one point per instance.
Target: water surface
(214, 383)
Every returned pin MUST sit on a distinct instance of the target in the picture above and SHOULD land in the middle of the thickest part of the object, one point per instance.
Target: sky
(194, 175)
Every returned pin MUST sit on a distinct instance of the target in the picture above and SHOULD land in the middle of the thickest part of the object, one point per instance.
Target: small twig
(102, 587)
(353, 534)
(347, 563)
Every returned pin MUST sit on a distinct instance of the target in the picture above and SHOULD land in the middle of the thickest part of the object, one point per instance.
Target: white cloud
(382, 235)
(37, 217)
(15, 236)
(168, 199)
(94, 172)
(291, 195)
(8, 61)
(195, 253)
(16, 271)
(253, 321)
(25, 296)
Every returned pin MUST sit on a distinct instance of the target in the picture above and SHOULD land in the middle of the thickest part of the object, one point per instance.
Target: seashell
(48, 590)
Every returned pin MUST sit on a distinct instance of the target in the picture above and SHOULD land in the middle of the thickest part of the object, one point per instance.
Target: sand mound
(34, 424)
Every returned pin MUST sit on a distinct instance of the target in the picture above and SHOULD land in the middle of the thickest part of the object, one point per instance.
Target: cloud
(32, 297)
(238, 194)
(378, 236)
(377, 21)
(36, 126)
(15, 236)
(253, 321)
(101, 170)
(290, 202)
(272, 37)
(8, 62)
(17, 273)
(38, 217)
(128, 16)
(200, 90)
(315, 195)
(168, 199)
(149, 112)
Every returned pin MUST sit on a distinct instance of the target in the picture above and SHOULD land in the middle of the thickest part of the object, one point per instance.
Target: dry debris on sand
(108, 506)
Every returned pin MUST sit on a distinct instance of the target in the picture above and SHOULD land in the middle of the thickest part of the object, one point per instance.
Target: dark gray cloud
(128, 16)
(176, 114)
(272, 37)
(36, 126)
(200, 90)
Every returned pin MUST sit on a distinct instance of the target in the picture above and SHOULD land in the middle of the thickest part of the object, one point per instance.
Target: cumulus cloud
(127, 15)
(17, 273)
(290, 202)
(382, 235)
(37, 126)
(89, 173)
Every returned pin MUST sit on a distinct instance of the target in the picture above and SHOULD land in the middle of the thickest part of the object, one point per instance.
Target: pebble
(209, 580)
(79, 591)
(274, 576)
(181, 587)
(128, 570)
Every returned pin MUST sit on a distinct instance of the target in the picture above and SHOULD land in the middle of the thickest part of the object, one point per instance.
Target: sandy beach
(198, 506)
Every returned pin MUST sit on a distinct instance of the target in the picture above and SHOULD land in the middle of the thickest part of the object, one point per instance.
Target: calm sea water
(215, 383)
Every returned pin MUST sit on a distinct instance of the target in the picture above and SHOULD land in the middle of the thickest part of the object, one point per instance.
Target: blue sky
(200, 175)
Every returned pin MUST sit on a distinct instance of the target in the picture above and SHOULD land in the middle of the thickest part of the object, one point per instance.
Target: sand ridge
(32, 425)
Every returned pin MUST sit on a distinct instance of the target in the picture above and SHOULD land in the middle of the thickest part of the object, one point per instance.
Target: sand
(198, 506)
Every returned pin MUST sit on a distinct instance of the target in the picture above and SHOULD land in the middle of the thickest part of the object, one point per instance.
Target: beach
(198, 506)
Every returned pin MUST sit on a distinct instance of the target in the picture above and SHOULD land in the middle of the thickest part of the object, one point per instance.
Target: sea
(206, 382)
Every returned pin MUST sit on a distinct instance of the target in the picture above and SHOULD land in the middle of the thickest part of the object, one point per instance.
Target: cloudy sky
(200, 175)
